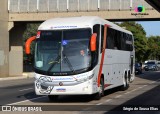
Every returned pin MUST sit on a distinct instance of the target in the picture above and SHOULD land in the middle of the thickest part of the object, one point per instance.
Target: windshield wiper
(57, 59)
(68, 62)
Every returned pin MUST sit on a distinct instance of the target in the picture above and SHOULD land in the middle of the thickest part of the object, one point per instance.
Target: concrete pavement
(23, 76)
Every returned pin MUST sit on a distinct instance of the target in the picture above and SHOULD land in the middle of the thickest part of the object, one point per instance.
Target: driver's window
(96, 29)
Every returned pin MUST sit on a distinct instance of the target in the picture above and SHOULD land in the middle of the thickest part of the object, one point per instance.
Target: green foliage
(154, 47)
(31, 30)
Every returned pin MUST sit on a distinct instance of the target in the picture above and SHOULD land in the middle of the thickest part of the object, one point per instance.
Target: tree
(154, 47)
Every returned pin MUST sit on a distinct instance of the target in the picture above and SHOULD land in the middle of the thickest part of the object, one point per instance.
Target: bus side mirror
(93, 42)
(28, 44)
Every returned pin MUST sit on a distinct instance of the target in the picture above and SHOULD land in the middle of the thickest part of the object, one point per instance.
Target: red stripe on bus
(100, 69)
(106, 85)
(103, 52)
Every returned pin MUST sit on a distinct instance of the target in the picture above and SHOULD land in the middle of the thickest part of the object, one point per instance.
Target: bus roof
(77, 22)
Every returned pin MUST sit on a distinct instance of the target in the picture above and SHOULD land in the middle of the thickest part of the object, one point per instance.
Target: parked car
(151, 65)
(138, 68)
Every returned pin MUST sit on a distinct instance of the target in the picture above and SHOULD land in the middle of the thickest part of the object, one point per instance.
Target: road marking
(127, 92)
(144, 86)
(108, 100)
(99, 104)
(131, 91)
(140, 87)
(118, 96)
(26, 100)
(25, 89)
(134, 90)
(153, 82)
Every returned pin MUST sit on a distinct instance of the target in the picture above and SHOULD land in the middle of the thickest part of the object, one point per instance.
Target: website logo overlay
(140, 11)
(140, 8)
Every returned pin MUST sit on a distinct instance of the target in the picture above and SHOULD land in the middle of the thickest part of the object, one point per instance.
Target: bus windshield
(63, 51)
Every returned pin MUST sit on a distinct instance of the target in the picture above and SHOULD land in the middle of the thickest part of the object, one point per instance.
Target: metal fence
(19, 6)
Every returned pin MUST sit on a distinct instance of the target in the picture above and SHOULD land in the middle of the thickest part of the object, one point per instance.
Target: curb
(23, 76)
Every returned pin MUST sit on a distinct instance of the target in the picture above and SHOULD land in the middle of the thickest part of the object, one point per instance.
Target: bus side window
(110, 38)
(102, 37)
(96, 29)
(117, 40)
(129, 43)
(123, 41)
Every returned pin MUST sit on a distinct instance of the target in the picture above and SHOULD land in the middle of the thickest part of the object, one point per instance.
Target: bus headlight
(43, 88)
(84, 79)
(42, 80)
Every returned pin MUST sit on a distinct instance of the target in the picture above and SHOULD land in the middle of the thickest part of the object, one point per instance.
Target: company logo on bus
(60, 83)
(140, 8)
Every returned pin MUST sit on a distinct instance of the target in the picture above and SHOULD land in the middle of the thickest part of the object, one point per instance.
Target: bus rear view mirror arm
(93, 42)
(28, 44)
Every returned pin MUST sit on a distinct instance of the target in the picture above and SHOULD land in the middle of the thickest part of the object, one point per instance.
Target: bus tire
(125, 86)
(53, 97)
(101, 92)
(129, 77)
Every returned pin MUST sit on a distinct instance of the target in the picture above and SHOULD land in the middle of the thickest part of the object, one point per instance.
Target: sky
(152, 28)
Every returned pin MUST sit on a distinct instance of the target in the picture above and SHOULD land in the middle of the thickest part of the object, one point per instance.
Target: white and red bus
(81, 55)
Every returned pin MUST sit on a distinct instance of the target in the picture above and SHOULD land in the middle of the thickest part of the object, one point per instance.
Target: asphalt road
(143, 94)
(16, 90)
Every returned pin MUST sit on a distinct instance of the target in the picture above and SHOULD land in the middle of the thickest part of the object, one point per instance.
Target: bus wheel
(129, 77)
(101, 91)
(53, 97)
(125, 86)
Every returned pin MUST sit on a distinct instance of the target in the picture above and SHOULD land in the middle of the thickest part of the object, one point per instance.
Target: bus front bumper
(86, 88)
